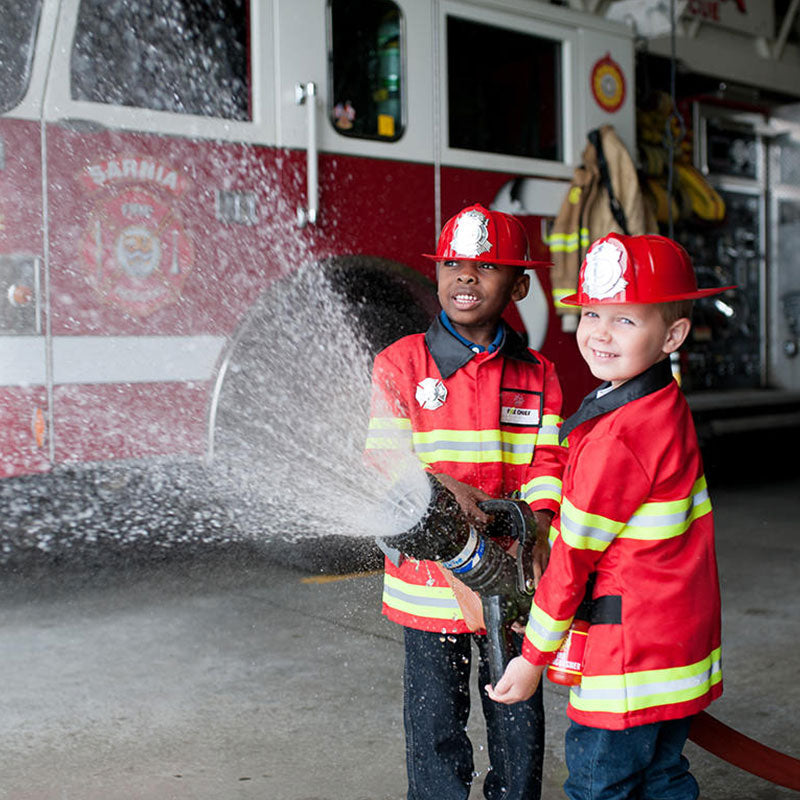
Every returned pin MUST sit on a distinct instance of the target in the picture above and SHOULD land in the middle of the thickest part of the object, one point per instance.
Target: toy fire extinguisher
(567, 666)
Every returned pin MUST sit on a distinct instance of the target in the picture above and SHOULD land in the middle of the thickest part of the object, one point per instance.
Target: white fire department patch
(471, 235)
(605, 267)
(431, 393)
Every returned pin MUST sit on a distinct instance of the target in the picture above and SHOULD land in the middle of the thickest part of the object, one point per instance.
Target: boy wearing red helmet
(481, 412)
(636, 516)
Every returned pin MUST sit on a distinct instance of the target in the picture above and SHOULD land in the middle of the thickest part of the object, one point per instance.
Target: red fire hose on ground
(744, 752)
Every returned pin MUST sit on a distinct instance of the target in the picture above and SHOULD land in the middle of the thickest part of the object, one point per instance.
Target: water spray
(504, 583)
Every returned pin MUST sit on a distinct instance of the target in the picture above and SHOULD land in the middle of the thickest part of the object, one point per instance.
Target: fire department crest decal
(471, 235)
(603, 274)
(135, 251)
(431, 393)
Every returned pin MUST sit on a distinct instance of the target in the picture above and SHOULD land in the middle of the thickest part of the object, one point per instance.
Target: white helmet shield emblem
(471, 235)
(605, 267)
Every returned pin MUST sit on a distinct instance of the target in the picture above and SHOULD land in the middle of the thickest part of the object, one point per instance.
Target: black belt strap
(606, 610)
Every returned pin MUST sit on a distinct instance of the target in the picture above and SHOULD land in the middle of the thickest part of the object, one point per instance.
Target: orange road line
(345, 577)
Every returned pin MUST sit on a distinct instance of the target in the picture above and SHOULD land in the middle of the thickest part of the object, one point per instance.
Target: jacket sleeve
(389, 439)
(541, 486)
(606, 487)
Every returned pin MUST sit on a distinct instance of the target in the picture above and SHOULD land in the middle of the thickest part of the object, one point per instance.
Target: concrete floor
(218, 677)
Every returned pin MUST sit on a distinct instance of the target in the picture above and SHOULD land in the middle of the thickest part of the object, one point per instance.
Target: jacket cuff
(544, 504)
(535, 656)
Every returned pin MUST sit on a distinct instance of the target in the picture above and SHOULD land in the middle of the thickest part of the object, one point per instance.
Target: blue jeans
(640, 763)
(436, 707)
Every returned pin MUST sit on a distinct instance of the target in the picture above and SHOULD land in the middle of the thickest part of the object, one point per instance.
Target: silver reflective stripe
(476, 447)
(538, 488)
(585, 531)
(390, 434)
(648, 689)
(676, 518)
(544, 633)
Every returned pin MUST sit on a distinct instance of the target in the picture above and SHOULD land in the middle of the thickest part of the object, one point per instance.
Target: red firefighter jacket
(636, 513)
(487, 419)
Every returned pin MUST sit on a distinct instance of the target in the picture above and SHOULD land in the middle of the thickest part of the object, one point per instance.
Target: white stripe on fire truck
(109, 359)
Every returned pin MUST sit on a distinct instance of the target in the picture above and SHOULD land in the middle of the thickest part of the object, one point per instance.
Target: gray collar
(651, 380)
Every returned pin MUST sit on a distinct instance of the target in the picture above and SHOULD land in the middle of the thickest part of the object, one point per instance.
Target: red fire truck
(162, 162)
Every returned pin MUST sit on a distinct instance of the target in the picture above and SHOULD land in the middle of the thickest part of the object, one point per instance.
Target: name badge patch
(521, 407)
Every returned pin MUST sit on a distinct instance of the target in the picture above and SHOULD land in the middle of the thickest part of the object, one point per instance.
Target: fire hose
(505, 586)
(743, 752)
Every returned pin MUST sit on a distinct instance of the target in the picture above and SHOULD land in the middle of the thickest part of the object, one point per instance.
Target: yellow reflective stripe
(552, 535)
(585, 531)
(545, 632)
(477, 447)
(390, 423)
(434, 602)
(666, 520)
(545, 487)
(568, 242)
(388, 433)
(634, 691)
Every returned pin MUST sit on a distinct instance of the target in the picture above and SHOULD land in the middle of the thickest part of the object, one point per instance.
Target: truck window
(20, 23)
(504, 91)
(365, 68)
(184, 56)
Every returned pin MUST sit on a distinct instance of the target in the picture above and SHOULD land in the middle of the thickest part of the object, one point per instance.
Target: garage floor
(225, 675)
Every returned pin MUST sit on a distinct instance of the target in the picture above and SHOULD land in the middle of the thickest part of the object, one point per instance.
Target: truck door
(163, 202)
(24, 400)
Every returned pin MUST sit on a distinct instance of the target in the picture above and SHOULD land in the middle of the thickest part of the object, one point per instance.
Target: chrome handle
(306, 94)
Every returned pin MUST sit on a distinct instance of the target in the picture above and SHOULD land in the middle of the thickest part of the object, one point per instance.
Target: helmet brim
(504, 261)
(574, 299)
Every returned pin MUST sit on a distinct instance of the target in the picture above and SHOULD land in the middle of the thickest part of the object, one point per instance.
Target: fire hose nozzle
(504, 583)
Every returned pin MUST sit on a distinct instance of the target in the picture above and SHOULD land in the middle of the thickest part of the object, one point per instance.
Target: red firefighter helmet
(637, 269)
(492, 237)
